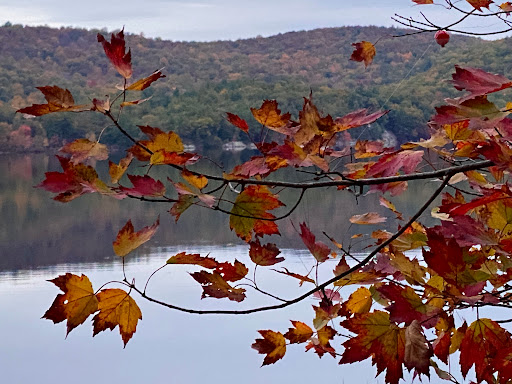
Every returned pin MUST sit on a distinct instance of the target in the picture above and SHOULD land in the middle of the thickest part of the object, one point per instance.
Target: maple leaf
(270, 116)
(407, 306)
(238, 122)
(158, 141)
(389, 205)
(232, 272)
(325, 312)
(116, 171)
(506, 7)
(75, 181)
(364, 51)
(249, 213)
(273, 345)
(312, 124)
(264, 255)
(128, 240)
(144, 83)
(368, 218)
(479, 4)
(360, 301)
(453, 263)
(194, 259)
(58, 100)
(184, 202)
(197, 181)
(77, 302)
(300, 333)
(144, 186)
(83, 149)
(116, 308)
(302, 279)
(478, 82)
(256, 166)
(295, 156)
(421, 2)
(214, 285)
(482, 341)
(321, 343)
(390, 164)
(357, 118)
(318, 249)
(417, 349)
(379, 339)
(481, 113)
(127, 103)
(116, 53)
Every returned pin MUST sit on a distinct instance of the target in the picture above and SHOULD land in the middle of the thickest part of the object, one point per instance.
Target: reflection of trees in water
(38, 231)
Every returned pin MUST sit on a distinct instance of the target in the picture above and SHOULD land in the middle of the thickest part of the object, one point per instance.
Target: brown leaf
(214, 285)
(264, 255)
(417, 349)
(59, 100)
(194, 259)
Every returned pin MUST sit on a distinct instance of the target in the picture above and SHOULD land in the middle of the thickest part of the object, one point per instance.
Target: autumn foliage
(403, 303)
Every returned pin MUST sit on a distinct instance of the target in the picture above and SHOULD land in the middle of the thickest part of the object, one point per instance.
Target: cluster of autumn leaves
(405, 318)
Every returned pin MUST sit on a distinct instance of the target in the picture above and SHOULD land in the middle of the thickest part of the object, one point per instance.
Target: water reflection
(37, 231)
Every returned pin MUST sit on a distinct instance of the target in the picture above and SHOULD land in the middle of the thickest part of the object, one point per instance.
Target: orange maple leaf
(379, 339)
(300, 333)
(117, 308)
(364, 51)
(249, 213)
(273, 345)
(270, 116)
(77, 302)
(127, 239)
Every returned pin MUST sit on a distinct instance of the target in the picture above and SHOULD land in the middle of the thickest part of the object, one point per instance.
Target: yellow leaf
(117, 308)
(360, 301)
(116, 171)
(197, 181)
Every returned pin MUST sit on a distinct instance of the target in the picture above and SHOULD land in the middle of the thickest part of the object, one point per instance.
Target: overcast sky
(207, 20)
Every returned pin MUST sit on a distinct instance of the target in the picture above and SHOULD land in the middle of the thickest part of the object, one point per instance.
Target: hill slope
(204, 80)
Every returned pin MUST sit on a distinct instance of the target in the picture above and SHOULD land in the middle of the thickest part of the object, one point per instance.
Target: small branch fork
(318, 288)
(427, 26)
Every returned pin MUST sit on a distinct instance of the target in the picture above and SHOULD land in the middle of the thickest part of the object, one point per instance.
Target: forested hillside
(205, 80)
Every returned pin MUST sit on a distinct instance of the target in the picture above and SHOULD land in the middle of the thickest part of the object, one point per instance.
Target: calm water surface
(41, 239)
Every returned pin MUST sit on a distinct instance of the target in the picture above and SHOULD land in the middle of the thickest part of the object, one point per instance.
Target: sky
(209, 20)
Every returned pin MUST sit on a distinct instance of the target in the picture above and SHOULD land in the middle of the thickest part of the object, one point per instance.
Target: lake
(41, 239)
